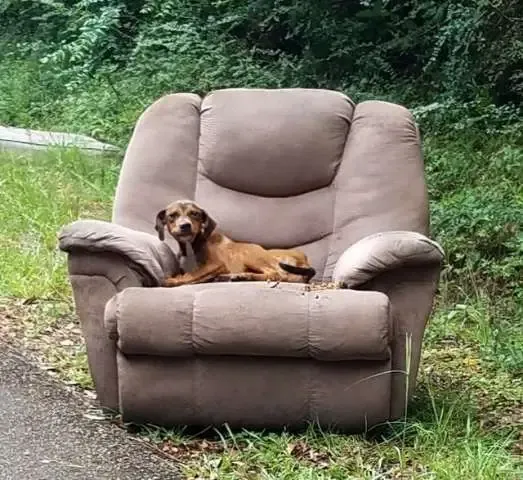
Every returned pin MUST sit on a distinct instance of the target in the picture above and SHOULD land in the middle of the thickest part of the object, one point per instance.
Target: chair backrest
(283, 168)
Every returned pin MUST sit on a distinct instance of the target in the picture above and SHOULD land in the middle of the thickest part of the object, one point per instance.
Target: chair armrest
(145, 252)
(405, 266)
(381, 252)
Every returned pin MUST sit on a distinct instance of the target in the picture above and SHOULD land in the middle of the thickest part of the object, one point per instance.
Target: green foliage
(91, 66)
(476, 188)
(493, 325)
(462, 118)
(106, 106)
(463, 418)
(481, 231)
(453, 49)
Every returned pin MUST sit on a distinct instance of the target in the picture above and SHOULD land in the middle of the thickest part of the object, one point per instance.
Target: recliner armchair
(302, 168)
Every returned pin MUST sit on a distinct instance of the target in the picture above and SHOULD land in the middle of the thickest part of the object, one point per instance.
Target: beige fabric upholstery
(95, 279)
(254, 392)
(384, 251)
(246, 319)
(143, 250)
(269, 163)
(301, 168)
(173, 155)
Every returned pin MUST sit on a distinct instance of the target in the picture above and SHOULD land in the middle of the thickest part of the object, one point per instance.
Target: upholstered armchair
(299, 168)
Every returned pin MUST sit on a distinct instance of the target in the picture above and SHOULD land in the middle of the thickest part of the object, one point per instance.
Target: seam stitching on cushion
(323, 187)
(310, 399)
(196, 365)
(309, 350)
(340, 159)
(333, 232)
(198, 141)
(390, 324)
(117, 325)
(328, 187)
(117, 321)
(118, 304)
(333, 188)
(193, 351)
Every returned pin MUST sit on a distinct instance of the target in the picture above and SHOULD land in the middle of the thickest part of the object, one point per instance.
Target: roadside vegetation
(91, 66)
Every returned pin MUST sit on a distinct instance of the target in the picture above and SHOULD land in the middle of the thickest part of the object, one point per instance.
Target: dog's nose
(185, 227)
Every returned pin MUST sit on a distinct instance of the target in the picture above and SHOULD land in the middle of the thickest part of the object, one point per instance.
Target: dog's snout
(185, 227)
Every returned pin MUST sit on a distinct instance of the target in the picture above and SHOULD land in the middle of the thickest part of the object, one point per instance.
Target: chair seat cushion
(251, 319)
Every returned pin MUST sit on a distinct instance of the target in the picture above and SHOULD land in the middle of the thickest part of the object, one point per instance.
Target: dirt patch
(313, 286)
(48, 332)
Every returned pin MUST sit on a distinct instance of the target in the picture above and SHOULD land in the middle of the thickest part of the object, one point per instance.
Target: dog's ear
(160, 224)
(208, 225)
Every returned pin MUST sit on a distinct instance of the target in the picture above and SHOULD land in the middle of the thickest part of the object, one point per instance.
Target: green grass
(39, 194)
(462, 421)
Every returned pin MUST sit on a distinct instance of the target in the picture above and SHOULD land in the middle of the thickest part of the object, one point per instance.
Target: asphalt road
(45, 436)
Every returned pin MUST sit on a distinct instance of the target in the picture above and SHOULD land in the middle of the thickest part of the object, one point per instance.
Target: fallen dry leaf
(302, 451)
(191, 449)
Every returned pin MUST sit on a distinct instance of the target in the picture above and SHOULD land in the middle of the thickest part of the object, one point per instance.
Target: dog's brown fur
(220, 258)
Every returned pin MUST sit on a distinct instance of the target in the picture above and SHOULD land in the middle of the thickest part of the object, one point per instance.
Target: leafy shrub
(421, 50)
(455, 117)
(476, 188)
(91, 66)
(481, 232)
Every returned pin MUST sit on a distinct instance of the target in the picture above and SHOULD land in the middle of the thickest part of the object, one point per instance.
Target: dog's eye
(196, 215)
(173, 216)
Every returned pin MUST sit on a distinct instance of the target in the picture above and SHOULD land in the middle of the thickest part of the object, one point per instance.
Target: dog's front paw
(172, 282)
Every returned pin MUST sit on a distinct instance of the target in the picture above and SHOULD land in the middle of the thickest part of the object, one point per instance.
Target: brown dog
(220, 258)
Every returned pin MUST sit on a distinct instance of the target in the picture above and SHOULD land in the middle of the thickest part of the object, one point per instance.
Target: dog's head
(186, 221)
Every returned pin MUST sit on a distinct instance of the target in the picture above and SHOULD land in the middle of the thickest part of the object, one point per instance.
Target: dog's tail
(307, 272)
